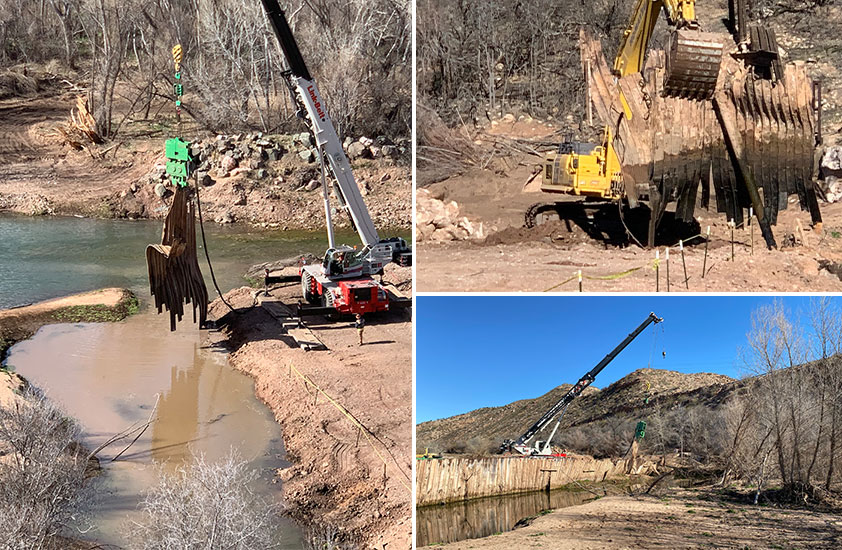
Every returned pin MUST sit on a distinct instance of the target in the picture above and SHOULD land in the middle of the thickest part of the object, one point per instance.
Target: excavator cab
(585, 169)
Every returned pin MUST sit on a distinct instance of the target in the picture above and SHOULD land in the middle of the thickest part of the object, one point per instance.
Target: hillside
(619, 405)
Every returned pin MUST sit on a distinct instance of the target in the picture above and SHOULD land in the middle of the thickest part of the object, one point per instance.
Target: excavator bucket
(692, 64)
(174, 275)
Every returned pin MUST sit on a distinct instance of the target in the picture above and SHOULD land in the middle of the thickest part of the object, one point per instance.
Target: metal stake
(668, 269)
(684, 264)
(580, 280)
(705, 261)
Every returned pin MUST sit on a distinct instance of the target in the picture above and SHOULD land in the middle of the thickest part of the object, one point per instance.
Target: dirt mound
(336, 480)
(551, 232)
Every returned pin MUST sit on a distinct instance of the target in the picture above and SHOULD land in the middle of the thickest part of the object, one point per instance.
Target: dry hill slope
(484, 429)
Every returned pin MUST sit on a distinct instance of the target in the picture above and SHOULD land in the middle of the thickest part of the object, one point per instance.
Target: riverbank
(105, 305)
(269, 181)
(702, 518)
(355, 484)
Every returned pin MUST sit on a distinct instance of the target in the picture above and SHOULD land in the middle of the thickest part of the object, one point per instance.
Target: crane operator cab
(343, 262)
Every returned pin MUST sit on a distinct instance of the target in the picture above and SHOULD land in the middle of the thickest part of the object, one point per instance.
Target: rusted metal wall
(455, 479)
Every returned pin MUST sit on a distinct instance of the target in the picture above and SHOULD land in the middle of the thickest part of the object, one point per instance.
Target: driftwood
(81, 128)
(174, 275)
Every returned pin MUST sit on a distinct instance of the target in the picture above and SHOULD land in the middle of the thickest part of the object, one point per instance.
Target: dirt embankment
(108, 304)
(354, 483)
(683, 519)
(248, 178)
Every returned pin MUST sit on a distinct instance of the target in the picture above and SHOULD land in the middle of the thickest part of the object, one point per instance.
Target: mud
(20, 323)
(513, 258)
(682, 519)
(355, 484)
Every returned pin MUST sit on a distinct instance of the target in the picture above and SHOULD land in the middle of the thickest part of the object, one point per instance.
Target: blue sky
(486, 351)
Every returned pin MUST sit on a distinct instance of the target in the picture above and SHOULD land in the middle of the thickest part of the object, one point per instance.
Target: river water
(484, 517)
(42, 258)
(109, 376)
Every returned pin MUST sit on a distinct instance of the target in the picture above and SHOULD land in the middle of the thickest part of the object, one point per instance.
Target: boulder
(228, 163)
(831, 164)
(312, 185)
(160, 190)
(224, 217)
(358, 150)
(204, 179)
(833, 189)
(439, 221)
(307, 155)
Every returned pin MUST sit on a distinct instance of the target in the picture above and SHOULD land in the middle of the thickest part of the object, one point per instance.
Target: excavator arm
(693, 57)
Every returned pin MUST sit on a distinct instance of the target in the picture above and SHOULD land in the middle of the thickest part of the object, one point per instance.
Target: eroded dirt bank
(357, 486)
(686, 519)
(108, 304)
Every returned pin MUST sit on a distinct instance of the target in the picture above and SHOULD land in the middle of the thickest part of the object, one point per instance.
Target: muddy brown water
(108, 376)
(484, 517)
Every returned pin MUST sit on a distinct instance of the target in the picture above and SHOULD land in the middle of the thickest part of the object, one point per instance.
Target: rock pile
(287, 160)
(436, 220)
(830, 172)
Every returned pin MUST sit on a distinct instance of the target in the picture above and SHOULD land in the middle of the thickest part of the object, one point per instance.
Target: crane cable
(205, 246)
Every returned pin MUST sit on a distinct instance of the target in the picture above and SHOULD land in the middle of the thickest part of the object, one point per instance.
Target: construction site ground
(678, 519)
(352, 484)
(510, 257)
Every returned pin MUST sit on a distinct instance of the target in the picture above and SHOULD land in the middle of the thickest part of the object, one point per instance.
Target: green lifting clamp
(640, 430)
(179, 161)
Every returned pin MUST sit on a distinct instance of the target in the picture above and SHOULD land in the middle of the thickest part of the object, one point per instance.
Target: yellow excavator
(690, 69)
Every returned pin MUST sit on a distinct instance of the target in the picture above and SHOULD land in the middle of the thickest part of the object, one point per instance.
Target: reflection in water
(180, 401)
(108, 377)
(484, 517)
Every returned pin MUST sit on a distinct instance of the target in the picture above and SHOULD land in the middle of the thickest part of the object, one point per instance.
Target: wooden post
(549, 478)
(705, 261)
(588, 94)
(668, 268)
(657, 270)
(684, 264)
(751, 227)
(580, 280)
(733, 226)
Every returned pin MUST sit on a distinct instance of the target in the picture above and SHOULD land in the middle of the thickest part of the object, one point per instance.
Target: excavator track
(578, 212)
(692, 64)
(600, 220)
